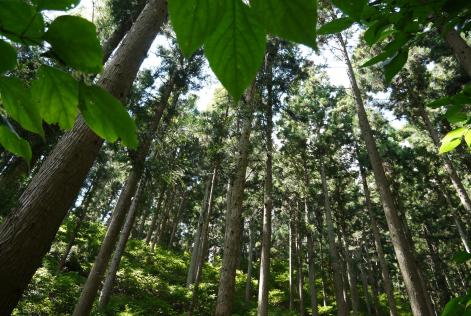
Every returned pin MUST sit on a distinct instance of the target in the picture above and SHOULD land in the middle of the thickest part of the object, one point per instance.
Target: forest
(235, 157)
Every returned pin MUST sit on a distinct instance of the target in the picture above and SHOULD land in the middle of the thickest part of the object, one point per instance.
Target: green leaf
(293, 20)
(352, 8)
(374, 32)
(13, 143)
(106, 116)
(335, 26)
(21, 22)
(462, 257)
(74, 41)
(236, 48)
(395, 65)
(454, 114)
(449, 146)
(467, 138)
(8, 54)
(454, 134)
(439, 103)
(56, 95)
(18, 104)
(60, 5)
(453, 308)
(381, 57)
(194, 20)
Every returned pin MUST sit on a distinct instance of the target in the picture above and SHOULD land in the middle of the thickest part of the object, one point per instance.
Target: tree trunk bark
(292, 251)
(312, 274)
(342, 309)
(366, 292)
(27, 234)
(156, 214)
(118, 253)
(162, 208)
(176, 221)
(234, 212)
(388, 287)
(450, 169)
(351, 276)
(407, 264)
(300, 257)
(85, 303)
(460, 48)
(248, 283)
(263, 287)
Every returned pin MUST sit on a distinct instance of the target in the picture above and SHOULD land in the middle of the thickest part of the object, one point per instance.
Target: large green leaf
(61, 5)
(353, 8)
(373, 61)
(56, 95)
(194, 20)
(8, 57)
(455, 115)
(236, 48)
(106, 116)
(13, 143)
(21, 22)
(395, 65)
(18, 104)
(335, 26)
(294, 20)
(74, 41)
(462, 257)
(449, 146)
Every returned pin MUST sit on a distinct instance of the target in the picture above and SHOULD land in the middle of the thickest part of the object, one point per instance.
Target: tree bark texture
(417, 293)
(234, 212)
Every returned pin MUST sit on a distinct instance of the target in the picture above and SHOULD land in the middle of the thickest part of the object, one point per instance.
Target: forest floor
(147, 283)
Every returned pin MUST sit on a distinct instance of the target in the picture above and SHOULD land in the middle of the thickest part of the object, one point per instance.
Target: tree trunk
(161, 209)
(118, 253)
(176, 220)
(460, 48)
(248, 283)
(312, 274)
(450, 169)
(85, 303)
(155, 215)
(263, 287)
(351, 276)
(388, 287)
(300, 257)
(26, 235)
(292, 251)
(234, 212)
(198, 233)
(366, 292)
(405, 257)
(338, 282)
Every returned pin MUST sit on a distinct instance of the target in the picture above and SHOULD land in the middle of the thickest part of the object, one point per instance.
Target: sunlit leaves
(8, 57)
(452, 140)
(73, 40)
(13, 143)
(294, 20)
(20, 21)
(56, 96)
(233, 33)
(335, 26)
(16, 100)
(236, 48)
(106, 116)
(194, 20)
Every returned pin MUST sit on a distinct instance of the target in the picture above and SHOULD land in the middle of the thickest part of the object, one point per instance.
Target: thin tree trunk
(292, 251)
(351, 275)
(161, 209)
(388, 287)
(312, 274)
(263, 287)
(118, 253)
(198, 233)
(336, 267)
(176, 220)
(155, 215)
(26, 235)
(300, 257)
(450, 169)
(248, 283)
(85, 303)
(366, 292)
(234, 212)
(405, 257)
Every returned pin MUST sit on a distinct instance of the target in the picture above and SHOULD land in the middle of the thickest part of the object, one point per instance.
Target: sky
(336, 69)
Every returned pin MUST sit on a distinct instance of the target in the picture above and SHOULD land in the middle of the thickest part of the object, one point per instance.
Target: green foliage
(106, 116)
(74, 42)
(395, 64)
(234, 34)
(335, 26)
(54, 94)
